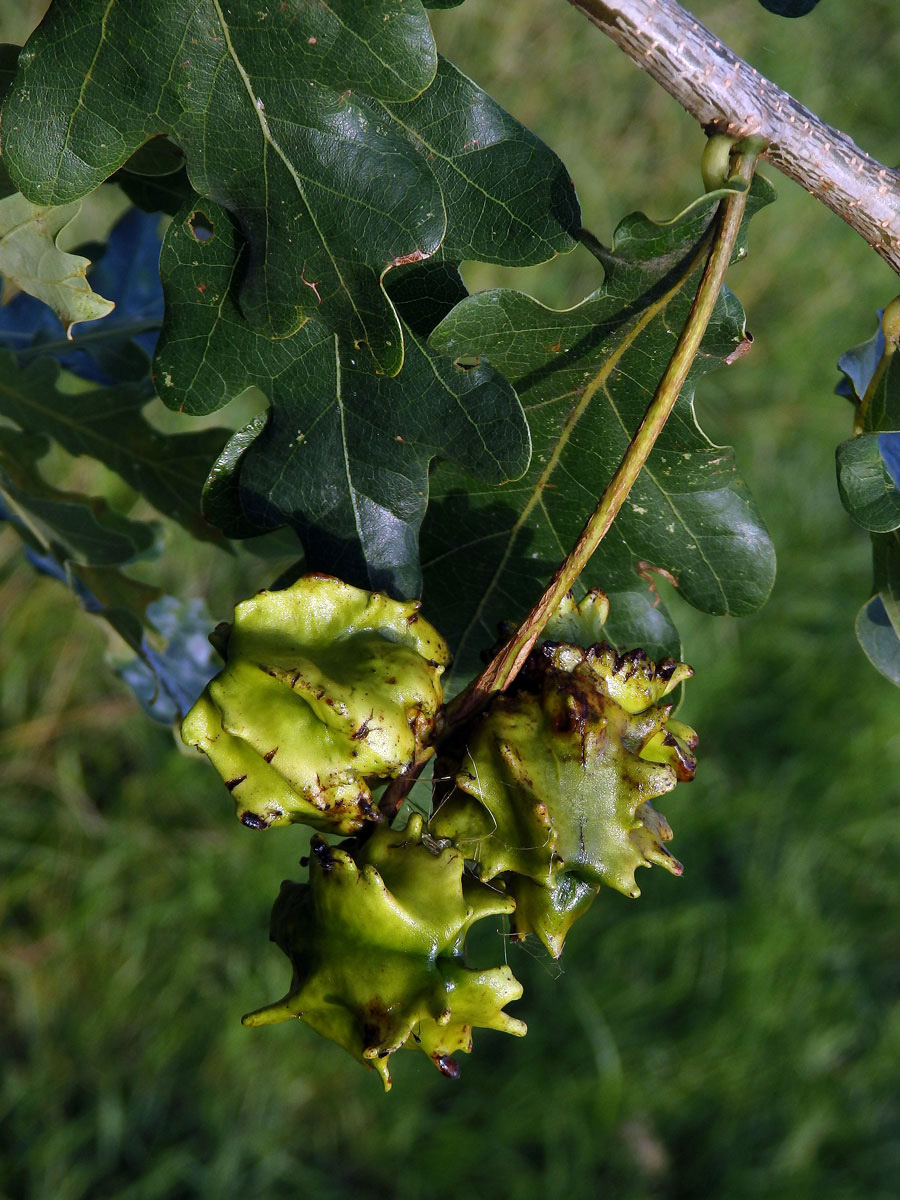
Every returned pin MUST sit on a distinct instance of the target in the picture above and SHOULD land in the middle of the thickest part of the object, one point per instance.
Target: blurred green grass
(731, 1034)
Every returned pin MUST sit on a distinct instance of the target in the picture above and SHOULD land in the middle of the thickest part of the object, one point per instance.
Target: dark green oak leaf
(332, 188)
(107, 423)
(260, 101)
(72, 526)
(585, 377)
(344, 455)
(508, 197)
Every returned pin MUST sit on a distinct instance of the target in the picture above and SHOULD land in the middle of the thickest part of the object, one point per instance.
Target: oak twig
(727, 95)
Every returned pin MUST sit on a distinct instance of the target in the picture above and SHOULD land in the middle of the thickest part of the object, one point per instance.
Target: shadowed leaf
(867, 467)
(107, 424)
(344, 455)
(74, 526)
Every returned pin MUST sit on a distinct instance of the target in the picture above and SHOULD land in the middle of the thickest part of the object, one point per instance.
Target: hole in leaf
(467, 364)
(201, 226)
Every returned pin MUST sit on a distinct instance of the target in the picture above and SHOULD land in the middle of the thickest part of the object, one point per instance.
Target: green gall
(376, 942)
(327, 690)
(548, 910)
(582, 622)
(553, 792)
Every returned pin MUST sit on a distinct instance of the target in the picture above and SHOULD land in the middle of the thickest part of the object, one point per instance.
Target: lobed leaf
(117, 349)
(507, 196)
(585, 377)
(345, 452)
(303, 121)
(32, 262)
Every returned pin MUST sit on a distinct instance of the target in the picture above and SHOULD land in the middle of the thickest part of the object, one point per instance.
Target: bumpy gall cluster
(376, 941)
(328, 693)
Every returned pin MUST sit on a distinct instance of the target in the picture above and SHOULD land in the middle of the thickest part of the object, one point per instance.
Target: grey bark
(727, 95)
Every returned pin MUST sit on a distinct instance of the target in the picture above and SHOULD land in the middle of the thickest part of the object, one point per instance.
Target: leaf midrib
(270, 140)
(596, 383)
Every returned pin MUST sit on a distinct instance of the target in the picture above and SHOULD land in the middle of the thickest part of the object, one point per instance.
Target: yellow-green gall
(376, 943)
(552, 793)
(327, 690)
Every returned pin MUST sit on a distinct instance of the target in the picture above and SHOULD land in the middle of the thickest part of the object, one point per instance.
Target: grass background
(732, 1034)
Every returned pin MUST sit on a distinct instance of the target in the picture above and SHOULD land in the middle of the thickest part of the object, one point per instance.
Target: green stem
(507, 663)
(504, 667)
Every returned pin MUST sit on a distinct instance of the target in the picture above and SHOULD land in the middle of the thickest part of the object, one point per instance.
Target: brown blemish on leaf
(405, 259)
(740, 350)
(646, 570)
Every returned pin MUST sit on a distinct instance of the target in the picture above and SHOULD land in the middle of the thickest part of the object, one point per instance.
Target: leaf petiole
(510, 659)
(506, 664)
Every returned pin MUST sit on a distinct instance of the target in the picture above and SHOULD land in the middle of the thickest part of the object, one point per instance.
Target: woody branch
(727, 95)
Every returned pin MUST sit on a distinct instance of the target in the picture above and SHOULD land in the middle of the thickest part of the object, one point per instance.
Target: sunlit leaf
(113, 350)
(31, 261)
